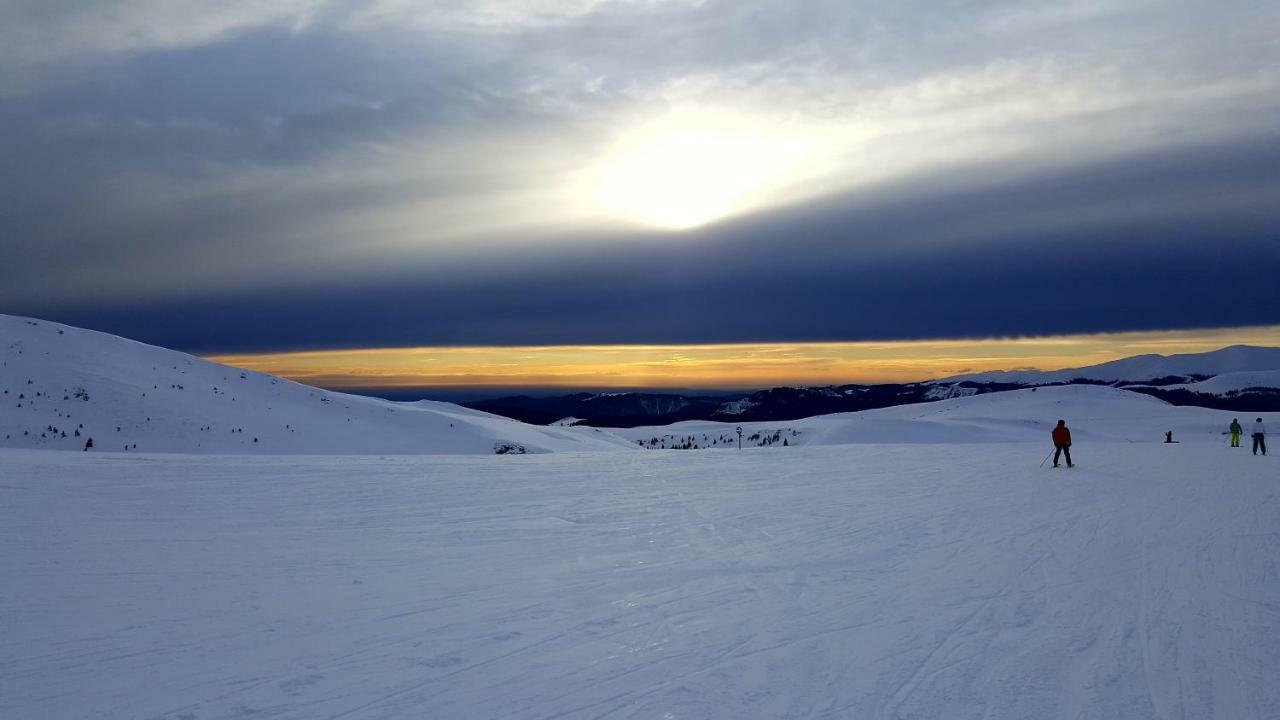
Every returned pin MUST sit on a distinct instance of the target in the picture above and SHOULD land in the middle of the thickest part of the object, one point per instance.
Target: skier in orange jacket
(1062, 443)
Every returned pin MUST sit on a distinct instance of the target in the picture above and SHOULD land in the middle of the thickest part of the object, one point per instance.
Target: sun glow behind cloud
(693, 167)
(310, 173)
(523, 123)
(723, 366)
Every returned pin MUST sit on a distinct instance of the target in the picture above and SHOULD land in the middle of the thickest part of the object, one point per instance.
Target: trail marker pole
(739, 437)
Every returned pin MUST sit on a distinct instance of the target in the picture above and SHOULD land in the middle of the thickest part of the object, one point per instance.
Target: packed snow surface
(856, 581)
(61, 386)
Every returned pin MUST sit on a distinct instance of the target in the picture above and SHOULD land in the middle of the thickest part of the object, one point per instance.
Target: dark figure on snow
(1259, 437)
(88, 444)
(1235, 431)
(1062, 443)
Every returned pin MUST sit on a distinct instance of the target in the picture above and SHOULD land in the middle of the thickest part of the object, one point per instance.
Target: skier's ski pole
(1046, 458)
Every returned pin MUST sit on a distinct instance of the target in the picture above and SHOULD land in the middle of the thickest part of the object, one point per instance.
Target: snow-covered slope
(1094, 414)
(1233, 382)
(1233, 359)
(933, 582)
(57, 380)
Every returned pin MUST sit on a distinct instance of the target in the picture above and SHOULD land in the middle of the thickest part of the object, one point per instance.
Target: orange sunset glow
(724, 366)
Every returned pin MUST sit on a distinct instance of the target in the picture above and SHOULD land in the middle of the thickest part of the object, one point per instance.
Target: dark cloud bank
(1169, 241)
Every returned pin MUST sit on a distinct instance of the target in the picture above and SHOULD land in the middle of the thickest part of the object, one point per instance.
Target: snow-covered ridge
(61, 386)
(1095, 414)
(737, 407)
(1232, 359)
(946, 392)
(1233, 382)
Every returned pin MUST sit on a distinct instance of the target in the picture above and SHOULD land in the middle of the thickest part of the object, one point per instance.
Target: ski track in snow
(868, 581)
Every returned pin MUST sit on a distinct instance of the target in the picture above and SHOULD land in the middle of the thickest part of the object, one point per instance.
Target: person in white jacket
(1259, 437)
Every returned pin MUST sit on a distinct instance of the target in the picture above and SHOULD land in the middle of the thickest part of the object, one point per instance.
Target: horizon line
(724, 366)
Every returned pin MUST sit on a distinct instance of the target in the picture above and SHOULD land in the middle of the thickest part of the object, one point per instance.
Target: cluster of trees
(707, 441)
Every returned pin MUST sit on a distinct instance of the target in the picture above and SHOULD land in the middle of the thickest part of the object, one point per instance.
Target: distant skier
(1259, 437)
(1062, 443)
(88, 444)
(1236, 430)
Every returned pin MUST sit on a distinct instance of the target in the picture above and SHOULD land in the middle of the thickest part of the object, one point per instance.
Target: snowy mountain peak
(1143, 368)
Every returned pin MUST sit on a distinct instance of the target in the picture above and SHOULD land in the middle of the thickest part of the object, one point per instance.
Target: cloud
(943, 264)
(42, 34)
(205, 154)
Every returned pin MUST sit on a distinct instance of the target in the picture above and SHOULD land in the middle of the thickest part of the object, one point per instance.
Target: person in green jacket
(1235, 432)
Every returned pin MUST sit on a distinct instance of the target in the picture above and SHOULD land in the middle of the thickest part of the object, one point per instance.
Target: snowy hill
(1142, 368)
(60, 386)
(1233, 382)
(1094, 413)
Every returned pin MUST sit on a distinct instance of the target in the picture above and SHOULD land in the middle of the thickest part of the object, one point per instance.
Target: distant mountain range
(635, 409)
(1239, 377)
(1141, 368)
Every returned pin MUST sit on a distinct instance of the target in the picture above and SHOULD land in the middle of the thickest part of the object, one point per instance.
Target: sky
(651, 177)
(446, 370)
